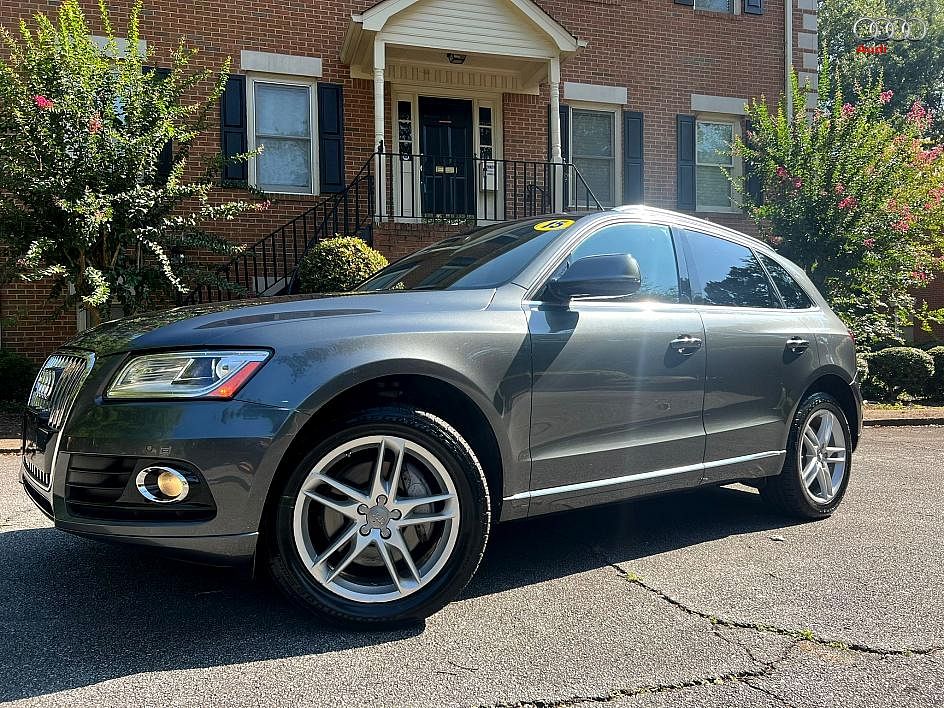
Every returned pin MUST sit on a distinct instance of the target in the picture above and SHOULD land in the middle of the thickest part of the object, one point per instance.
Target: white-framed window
(282, 120)
(714, 161)
(727, 6)
(594, 145)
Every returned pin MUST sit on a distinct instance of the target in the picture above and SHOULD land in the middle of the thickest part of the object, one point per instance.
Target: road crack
(796, 634)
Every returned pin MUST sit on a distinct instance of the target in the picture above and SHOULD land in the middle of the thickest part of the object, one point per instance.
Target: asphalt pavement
(700, 599)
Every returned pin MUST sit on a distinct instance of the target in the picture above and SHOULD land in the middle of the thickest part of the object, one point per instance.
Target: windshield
(483, 258)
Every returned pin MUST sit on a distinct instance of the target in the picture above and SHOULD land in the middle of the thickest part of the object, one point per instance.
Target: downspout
(788, 57)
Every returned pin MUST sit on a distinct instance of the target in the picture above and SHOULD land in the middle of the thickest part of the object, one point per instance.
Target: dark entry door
(448, 174)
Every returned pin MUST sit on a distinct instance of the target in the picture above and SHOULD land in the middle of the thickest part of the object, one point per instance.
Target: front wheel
(819, 459)
(384, 522)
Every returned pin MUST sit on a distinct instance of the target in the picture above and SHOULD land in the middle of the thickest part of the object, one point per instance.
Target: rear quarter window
(792, 293)
(727, 274)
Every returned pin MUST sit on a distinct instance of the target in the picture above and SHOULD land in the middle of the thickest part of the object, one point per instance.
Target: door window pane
(593, 151)
(283, 129)
(652, 248)
(713, 155)
(726, 273)
(793, 295)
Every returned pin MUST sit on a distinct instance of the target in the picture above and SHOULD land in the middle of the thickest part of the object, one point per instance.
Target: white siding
(483, 26)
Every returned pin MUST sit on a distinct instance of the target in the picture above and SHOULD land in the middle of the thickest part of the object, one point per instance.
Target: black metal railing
(270, 266)
(413, 188)
(428, 188)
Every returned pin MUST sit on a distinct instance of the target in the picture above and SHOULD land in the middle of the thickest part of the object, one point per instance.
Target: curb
(893, 422)
(9, 445)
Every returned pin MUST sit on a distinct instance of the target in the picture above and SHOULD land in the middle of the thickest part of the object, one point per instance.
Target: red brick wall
(660, 51)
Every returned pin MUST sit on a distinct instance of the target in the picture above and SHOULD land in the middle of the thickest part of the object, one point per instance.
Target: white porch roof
(512, 41)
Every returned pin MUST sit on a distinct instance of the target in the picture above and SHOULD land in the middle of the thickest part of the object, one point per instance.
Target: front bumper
(235, 446)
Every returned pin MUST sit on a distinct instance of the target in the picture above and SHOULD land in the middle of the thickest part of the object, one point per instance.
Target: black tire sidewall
(460, 463)
(792, 468)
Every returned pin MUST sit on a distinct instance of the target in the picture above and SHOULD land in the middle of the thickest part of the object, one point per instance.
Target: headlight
(203, 374)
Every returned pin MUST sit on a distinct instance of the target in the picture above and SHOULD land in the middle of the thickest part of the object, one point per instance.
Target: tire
(379, 586)
(821, 497)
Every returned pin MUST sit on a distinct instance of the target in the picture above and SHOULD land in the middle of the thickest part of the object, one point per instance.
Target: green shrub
(17, 374)
(862, 365)
(338, 265)
(899, 370)
(936, 384)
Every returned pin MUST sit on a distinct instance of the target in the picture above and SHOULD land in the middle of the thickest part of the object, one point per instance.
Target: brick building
(486, 109)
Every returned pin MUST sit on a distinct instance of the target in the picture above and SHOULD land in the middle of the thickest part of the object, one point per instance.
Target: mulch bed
(10, 423)
(874, 412)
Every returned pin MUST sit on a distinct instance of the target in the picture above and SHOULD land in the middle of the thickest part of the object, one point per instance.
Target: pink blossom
(848, 203)
(848, 109)
(886, 96)
(42, 102)
(869, 243)
(932, 154)
(782, 172)
(902, 225)
(262, 206)
(775, 240)
(797, 183)
(919, 275)
(95, 124)
(839, 188)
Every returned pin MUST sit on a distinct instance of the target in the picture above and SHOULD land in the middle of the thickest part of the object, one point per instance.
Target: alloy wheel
(822, 456)
(376, 519)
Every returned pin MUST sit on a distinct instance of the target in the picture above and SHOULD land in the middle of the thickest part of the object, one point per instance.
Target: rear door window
(793, 296)
(727, 274)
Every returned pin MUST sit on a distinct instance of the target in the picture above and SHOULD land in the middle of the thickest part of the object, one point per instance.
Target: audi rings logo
(883, 29)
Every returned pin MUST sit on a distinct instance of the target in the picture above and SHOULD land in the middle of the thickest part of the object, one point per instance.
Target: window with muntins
(727, 273)
(715, 5)
(713, 158)
(284, 131)
(593, 152)
(653, 250)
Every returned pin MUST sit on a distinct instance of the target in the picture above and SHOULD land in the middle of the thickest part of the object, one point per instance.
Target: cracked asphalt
(701, 599)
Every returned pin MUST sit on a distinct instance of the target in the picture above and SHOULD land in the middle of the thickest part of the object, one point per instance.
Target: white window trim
(737, 166)
(489, 99)
(312, 85)
(616, 112)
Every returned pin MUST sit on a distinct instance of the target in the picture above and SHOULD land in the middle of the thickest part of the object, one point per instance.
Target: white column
(553, 75)
(379, 64)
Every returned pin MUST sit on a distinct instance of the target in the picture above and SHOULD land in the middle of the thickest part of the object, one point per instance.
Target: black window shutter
(752, 183)
(633, 171)
(165, 160)
(564, 129)
(331, 137)
(753, 7)
(685, 126)
(233, 137)
(690, 3)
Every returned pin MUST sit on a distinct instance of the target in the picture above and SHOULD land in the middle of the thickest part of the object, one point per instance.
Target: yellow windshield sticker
(554, 225)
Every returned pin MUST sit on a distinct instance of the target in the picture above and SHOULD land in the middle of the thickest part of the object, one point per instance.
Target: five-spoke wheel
(816, 470)
(384, 521)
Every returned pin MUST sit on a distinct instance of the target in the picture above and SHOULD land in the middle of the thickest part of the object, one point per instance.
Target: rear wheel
(384, 522)
(819, 458)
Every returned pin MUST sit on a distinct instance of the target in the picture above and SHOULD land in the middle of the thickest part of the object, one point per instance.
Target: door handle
(797, 345)
(685, 344)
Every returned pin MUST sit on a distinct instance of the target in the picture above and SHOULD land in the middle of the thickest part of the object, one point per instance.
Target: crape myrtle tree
(96, 192)
(855, 197)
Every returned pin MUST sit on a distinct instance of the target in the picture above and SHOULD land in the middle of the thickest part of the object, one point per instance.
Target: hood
(225, 322)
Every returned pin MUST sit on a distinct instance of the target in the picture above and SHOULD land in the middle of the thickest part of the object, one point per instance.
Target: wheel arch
(425, 391)
(839, 387)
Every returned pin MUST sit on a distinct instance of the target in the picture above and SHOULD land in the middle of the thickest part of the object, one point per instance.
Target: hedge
(338, 265)
(898, 370)
(17, 374)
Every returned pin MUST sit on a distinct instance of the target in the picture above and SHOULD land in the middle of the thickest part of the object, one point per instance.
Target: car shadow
(77, 612)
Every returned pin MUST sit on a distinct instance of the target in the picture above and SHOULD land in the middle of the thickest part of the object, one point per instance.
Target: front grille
(40, 476)
(57, 385)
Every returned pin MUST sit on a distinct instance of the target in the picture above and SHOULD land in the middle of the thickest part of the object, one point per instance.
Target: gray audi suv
(359, 446)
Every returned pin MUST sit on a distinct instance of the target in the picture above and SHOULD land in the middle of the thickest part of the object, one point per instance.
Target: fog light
(162, 484)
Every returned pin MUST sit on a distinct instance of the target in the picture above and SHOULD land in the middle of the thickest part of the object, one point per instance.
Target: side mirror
(609, 275)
